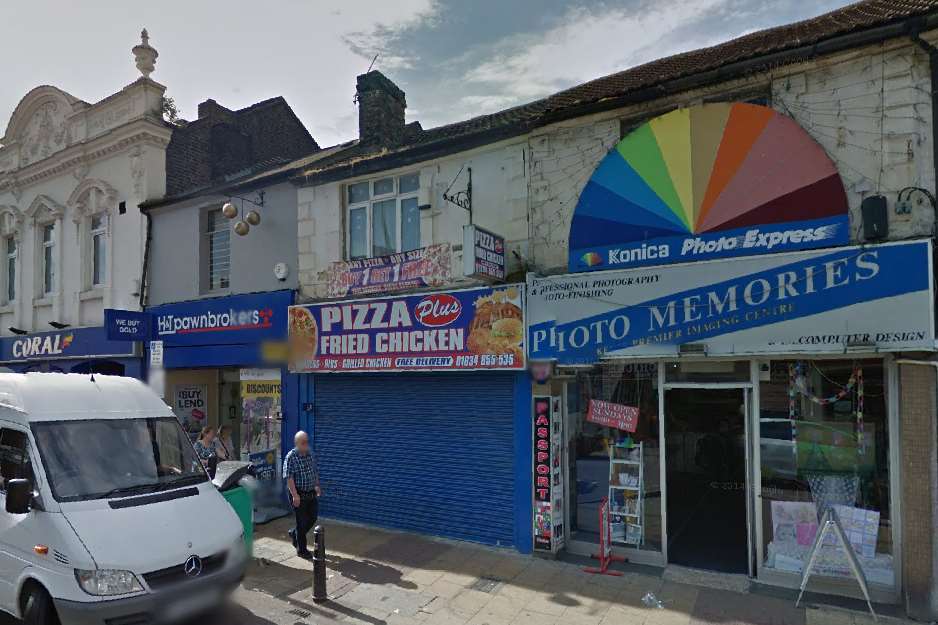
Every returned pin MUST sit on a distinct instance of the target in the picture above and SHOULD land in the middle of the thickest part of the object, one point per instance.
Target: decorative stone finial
(145, 54)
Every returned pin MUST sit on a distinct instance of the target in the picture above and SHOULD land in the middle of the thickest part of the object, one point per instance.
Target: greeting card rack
(626, 490)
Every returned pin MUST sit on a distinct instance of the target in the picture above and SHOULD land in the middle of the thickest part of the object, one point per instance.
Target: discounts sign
(455, 330)
(612, 415)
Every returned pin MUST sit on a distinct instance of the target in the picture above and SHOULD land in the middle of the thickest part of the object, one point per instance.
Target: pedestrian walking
(302, 476)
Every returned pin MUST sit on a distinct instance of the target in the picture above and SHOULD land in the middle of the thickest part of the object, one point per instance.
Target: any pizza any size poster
(452, 330)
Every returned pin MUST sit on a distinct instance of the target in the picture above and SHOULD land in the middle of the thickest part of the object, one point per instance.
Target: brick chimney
(381, 107)
(210, 109)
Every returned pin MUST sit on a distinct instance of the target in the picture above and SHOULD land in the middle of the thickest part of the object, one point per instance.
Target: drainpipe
(146, 260)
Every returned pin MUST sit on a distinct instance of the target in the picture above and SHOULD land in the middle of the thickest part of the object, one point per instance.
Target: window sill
(6, 308)
(43, 301)
(95, 293)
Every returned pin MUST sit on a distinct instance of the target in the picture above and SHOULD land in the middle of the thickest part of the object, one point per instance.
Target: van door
(14, 464)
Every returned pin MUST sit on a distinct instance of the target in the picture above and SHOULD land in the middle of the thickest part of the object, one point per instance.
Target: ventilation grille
(60, 557)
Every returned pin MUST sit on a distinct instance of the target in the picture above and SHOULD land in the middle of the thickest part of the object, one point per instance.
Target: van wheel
(39, 609)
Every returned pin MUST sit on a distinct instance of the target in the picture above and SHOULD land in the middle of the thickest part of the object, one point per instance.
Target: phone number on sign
(463, 361)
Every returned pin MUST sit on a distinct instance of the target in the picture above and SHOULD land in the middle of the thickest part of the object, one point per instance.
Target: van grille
(163, 578)
(60, 557)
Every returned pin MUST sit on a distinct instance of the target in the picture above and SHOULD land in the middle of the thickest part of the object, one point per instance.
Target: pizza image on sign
(303, 333)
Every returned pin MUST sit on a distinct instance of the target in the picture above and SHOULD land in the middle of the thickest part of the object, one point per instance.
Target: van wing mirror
(19, 494)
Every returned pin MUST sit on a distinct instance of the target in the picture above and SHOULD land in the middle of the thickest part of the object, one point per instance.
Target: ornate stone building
(72, 239)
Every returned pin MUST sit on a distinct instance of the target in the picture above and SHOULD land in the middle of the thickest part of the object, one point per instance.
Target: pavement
(378, 577)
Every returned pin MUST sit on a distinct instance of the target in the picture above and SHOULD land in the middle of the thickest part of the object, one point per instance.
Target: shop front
(725, 363)
(71, 350)
(722, 407)
(419, 409)
(221, 370)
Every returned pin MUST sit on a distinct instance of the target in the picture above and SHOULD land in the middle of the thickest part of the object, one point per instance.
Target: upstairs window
(383, 217)
(12, 252)
(48, 258)
(218, 238)
(98, 249)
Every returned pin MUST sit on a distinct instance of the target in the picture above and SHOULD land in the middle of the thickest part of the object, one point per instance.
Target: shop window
(824, 445)
(608, 461)
(705, 371)
(383, 217)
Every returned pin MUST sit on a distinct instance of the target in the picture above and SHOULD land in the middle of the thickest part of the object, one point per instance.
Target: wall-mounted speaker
(875, 220)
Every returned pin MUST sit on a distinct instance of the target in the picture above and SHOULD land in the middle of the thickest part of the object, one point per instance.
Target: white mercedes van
(106, 514)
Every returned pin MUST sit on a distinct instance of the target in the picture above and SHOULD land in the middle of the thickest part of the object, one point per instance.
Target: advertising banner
(427, 267)
(801, 302)
(710, 181)
(548, 489)
(612, 415)
(483, 254)
(126, 325)
(223, 320)
(454, 330)
(260, 410)
(70, 343)
(190, 403)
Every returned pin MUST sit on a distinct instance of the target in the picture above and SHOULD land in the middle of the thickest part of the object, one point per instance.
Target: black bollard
(319, 565)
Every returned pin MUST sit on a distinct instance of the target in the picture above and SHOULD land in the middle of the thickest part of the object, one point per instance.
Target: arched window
(46, 215)
(92, 205)
(11, 227)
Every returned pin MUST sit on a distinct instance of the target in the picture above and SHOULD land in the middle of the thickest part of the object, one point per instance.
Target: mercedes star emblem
(193, 566)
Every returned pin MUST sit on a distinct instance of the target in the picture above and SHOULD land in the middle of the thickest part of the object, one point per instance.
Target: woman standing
(205, 449)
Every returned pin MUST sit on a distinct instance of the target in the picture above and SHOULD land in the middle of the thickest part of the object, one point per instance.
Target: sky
(455, 59)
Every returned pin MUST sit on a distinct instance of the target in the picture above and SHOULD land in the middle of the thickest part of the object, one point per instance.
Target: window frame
(11, 261)
(28, 455)
(100, 234)
(48, 273)
(369, 205)
(209, 242)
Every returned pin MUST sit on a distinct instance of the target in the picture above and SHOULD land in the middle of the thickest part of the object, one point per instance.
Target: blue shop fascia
(72, 350)
(222, 366)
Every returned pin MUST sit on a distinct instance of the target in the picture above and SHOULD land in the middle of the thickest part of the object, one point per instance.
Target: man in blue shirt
(302, 477)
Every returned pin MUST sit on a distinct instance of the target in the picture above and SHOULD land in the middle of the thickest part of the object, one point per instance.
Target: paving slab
(377, 577)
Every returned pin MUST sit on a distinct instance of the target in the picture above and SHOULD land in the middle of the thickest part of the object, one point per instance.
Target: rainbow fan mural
(710, 181)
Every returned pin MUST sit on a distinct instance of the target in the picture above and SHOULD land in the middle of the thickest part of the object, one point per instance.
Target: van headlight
(105, 582)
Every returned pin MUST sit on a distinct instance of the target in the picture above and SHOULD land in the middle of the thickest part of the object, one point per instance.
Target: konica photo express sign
(809, 302)
(451, 330)
(711, 181)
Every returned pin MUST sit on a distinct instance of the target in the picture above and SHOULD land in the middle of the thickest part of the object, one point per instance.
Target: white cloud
(586, 45)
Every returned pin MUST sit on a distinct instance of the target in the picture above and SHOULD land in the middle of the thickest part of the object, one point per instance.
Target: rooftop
(642, 79)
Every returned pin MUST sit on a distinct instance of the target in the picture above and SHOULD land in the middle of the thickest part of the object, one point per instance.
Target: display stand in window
(626, 489)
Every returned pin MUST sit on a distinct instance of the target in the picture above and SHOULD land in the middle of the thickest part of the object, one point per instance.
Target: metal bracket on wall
(462, 199)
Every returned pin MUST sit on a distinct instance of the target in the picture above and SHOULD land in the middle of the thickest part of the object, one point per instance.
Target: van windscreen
(103, 458)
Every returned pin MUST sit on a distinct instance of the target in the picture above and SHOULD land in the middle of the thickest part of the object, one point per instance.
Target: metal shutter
(430, 453)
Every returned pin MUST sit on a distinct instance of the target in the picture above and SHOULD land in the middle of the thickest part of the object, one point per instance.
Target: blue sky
(454, 59)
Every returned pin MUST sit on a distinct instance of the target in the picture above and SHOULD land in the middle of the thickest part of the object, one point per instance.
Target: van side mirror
(19, 494)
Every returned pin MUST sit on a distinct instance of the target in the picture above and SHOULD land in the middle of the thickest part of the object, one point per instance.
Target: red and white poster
(618, 416)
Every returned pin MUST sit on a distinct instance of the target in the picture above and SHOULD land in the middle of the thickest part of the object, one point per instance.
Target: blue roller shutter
(430, 453)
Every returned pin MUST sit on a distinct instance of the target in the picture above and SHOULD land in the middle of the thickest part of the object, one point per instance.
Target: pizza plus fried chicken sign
(471, 329)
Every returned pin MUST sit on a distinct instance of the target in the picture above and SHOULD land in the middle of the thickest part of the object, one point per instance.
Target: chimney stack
(210, 109)
(381, 107)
